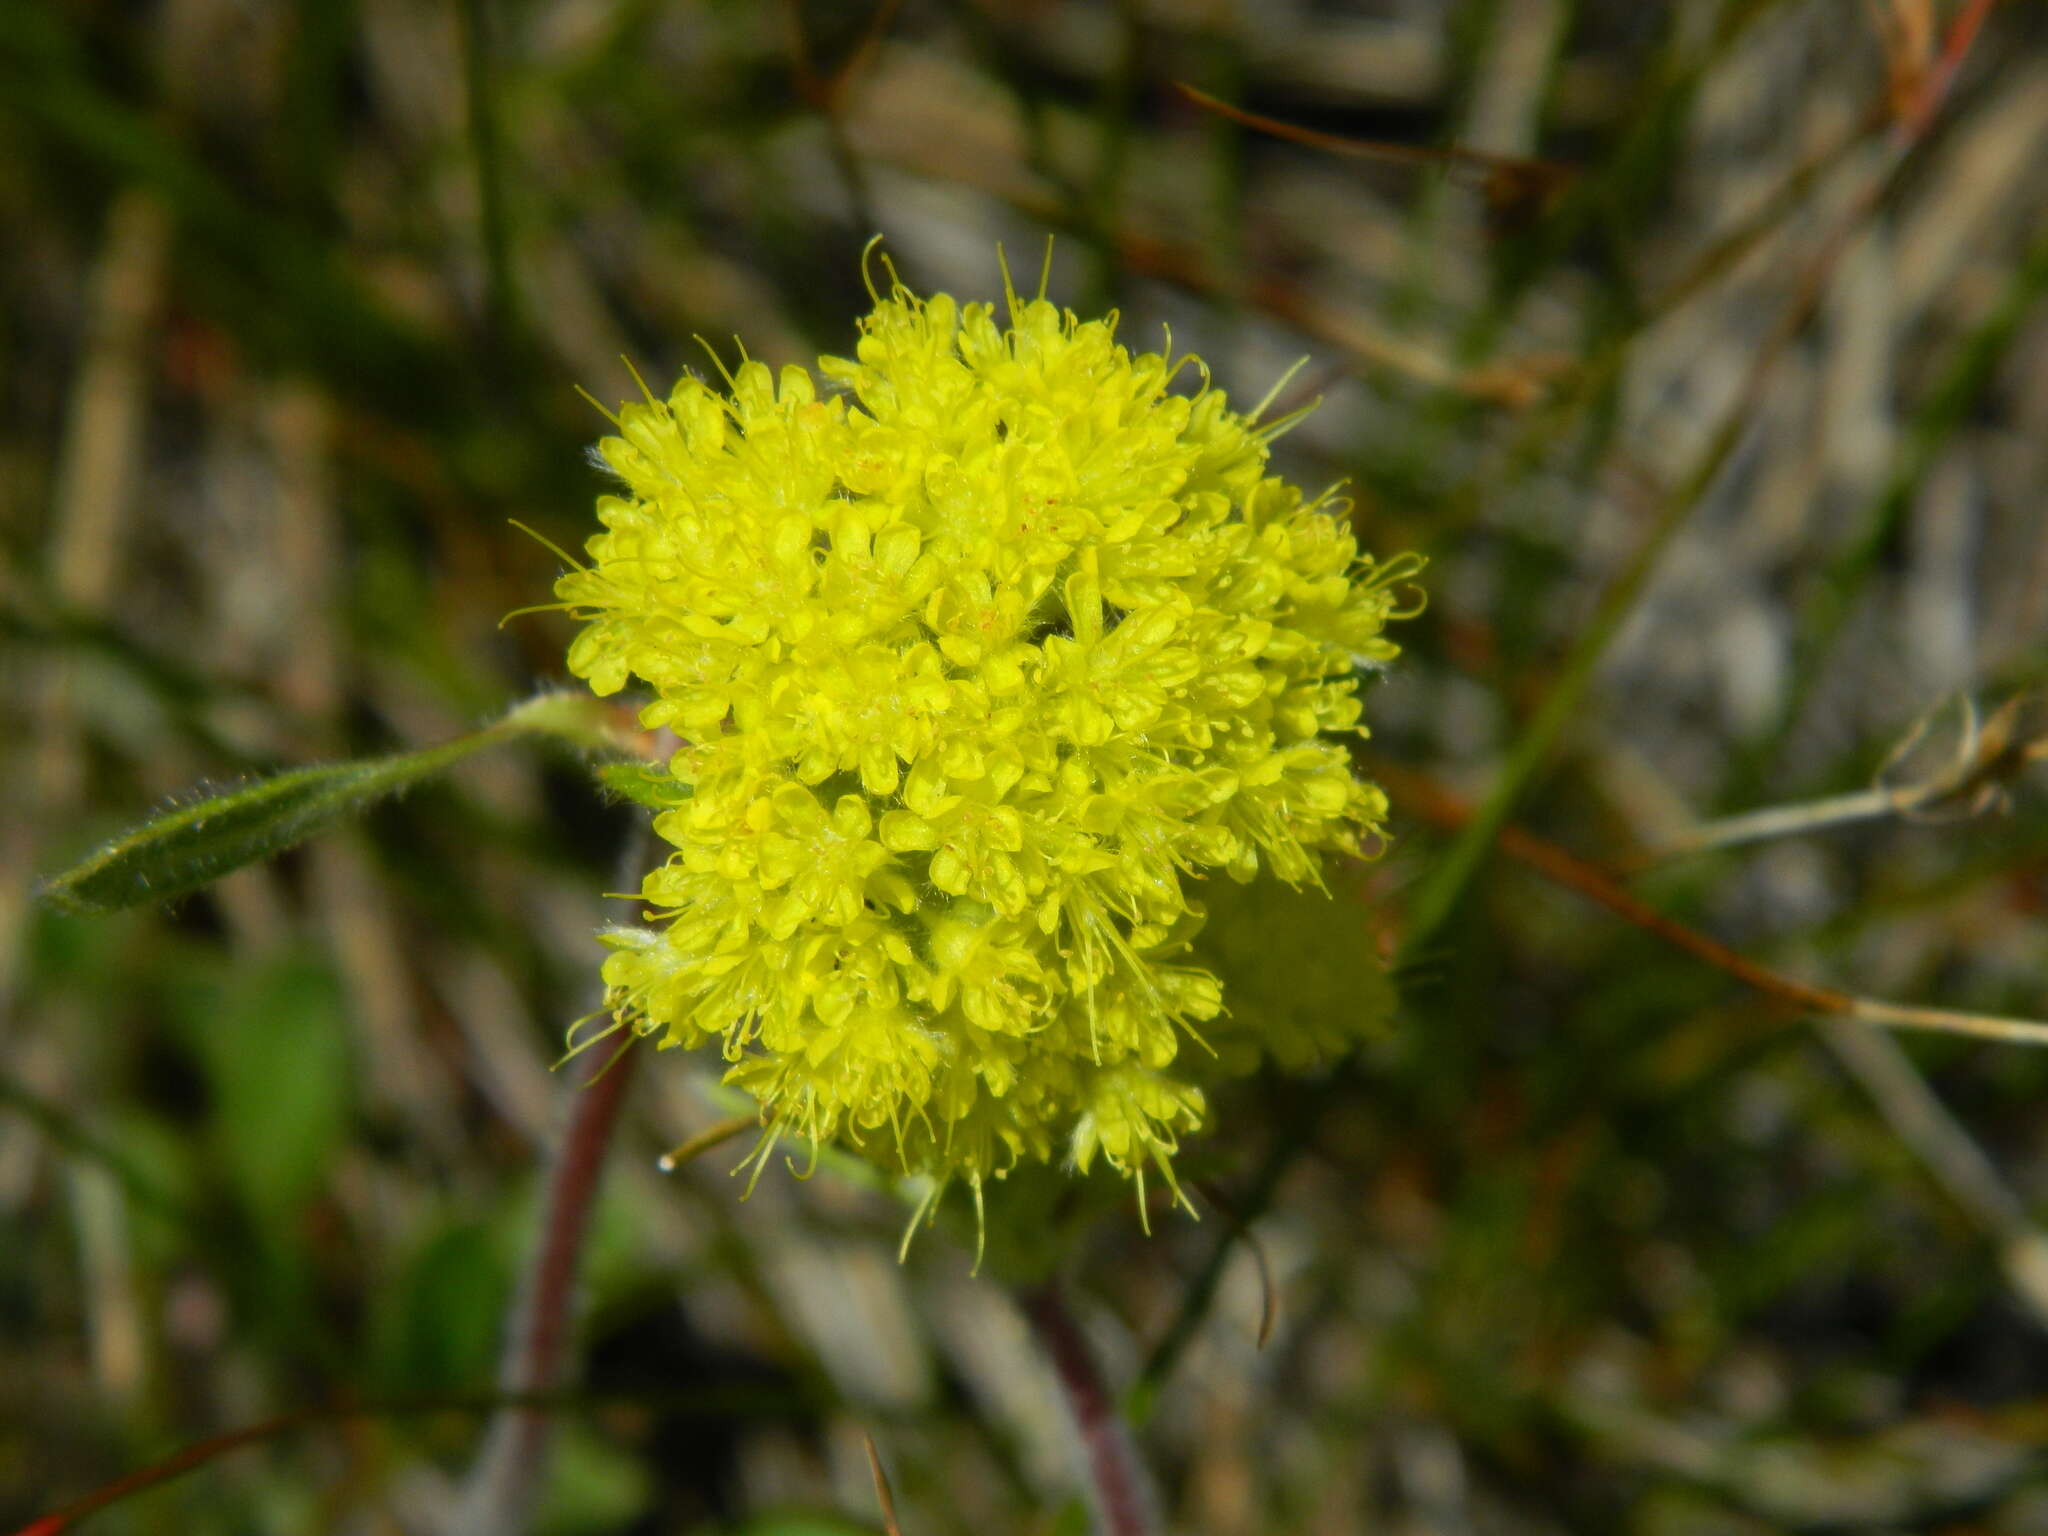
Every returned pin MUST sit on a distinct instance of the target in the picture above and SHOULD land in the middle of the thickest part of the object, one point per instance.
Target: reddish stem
(502, 1488)
(1940, 78)
(1121, 1490)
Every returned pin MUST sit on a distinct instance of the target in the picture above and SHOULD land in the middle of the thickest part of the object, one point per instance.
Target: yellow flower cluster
(983, 660)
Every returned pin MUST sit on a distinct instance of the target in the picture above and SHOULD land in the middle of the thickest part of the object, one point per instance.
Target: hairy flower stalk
(984, 658)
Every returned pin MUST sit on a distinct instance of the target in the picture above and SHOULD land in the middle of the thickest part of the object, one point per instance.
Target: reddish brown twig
(1920, 91)
(1431, 801)
(195, 1455)
(198, 1454)
(1120, 1489)
(1512, 184)
(825, 92)
(501, 1490)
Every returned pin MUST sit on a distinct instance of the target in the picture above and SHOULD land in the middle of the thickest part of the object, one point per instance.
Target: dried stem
(1770, 822)
(1976, 775)
(1436, 804)
(1120, 1489)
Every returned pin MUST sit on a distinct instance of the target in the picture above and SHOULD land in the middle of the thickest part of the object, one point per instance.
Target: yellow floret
(981, 663)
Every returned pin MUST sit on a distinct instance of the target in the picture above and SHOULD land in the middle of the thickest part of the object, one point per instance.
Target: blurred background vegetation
(1719, 404)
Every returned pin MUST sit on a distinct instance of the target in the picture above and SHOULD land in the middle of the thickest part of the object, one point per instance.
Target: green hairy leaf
(195, 844)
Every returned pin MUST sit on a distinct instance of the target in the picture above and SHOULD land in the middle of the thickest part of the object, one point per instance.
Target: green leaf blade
(189, 847)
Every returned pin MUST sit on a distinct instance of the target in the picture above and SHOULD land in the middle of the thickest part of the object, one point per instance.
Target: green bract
(982, 664)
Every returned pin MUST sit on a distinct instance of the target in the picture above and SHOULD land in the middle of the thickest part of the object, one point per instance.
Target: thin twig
(1945, 1021)
(1728, 250)
(693, 1401)
(1978, 775)
(1507, 180)
(1770, 822)
(178, 1464)
(1934, 85)
(1120, 1489)
(201, 1452)
(1439, 806)
(863, 54)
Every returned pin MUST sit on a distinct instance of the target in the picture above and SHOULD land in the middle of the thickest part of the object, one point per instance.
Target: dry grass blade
(884, 1499)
